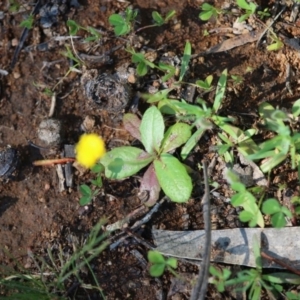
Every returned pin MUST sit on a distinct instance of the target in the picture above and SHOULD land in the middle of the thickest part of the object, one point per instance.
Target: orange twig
(49, 162)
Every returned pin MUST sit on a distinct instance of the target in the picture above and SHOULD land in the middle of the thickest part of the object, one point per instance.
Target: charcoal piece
(106, 90)
(8, 162)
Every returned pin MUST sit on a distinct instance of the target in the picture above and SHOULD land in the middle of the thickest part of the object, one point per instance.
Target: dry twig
(199, 290)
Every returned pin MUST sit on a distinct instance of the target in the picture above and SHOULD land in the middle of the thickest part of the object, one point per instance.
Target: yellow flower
(89, 149)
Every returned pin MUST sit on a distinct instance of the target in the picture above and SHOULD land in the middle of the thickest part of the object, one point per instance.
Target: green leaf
(192, 142)
(85, 200)
(173, 178)
(245, 216)
(206, 15)
(271, 206)
(278, 220)
(97, 168)
(28, 23)
(245, 5)
(172, 262)
(155, 257)
(175, 136)
(141, 69)
(220, 92)
(282, 277)
(152, 129)
(296, 108)
(85, 190)
(158, 19)
(124, 161)
(185, 60)
(157, 270)
(140, 57)
(116, 20)
(170, 15)
(121, 27)
(238, 186)
(160, 95)
(73, 27)
(97, 182)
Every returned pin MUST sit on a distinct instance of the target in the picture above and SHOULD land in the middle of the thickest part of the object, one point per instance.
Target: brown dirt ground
(34, 214)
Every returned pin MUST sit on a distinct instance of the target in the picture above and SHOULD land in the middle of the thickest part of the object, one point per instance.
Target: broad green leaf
(155, 257)
(85, 190)
(245, 5)
(278, 220)
(220, 92)
(85, 200)
(172, 262)
(124, 161)
(173, 178)
(157, 18)
(296, 108)
(271, 206)
(116, 20)
(121, 27)
(157, 270)
(238, 186)
(132, 124)
(206, 15)
(192, 142)
(185, 60)
(152, 129)
(175, 136)
(97, 168)
(142, 69)
(245, 216)
(237, 199)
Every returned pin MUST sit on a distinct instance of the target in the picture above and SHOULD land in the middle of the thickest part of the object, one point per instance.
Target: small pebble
(49, 132)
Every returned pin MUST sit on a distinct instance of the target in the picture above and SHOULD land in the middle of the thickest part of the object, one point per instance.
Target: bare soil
(34, 214)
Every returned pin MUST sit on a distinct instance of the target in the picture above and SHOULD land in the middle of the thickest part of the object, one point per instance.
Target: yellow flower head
(89, 149)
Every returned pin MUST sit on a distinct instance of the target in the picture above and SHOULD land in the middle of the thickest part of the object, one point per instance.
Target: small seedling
(28, 23)
(237, 79)
(275, 150)
(160, 264)
(123, 24)
(87, 194)
(264, 13)
(219, 278)
(250, 9)
(143, 64)
(276, 44)
(74, 27)
(246, 200)
(69, 54)
(209, 11)
(206, 84)
(278, 212)
(159, 20)
(14, 6)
